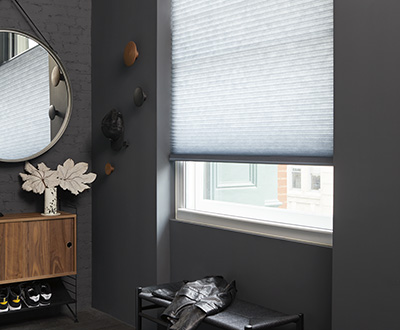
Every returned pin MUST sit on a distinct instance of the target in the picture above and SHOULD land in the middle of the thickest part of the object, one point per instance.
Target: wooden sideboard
(34, 247)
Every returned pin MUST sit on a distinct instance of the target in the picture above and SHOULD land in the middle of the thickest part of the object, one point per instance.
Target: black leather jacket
(195, 300)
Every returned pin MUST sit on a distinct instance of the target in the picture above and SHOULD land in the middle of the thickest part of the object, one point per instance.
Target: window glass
(300, 195)
(296, 178)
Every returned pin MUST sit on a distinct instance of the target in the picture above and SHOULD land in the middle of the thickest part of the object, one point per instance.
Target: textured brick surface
(67, 27)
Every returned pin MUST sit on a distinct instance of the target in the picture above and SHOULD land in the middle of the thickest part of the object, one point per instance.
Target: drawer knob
(69, 245)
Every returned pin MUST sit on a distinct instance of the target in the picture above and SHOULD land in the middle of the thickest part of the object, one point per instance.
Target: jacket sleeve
(218, 300)
(189, 319)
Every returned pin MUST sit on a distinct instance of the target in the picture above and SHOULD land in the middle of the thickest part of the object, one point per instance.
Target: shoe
(4, 293)
(15, 298)
(44, 290)
(29, 295)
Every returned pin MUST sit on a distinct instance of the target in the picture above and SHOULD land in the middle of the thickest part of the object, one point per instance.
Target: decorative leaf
(42, 167)
(30, 168)
(51, 179)
(72, 176)
(89, 178)
(69, 164)
(69, 176)
(35, 181)
(80, 168)
(36, 186)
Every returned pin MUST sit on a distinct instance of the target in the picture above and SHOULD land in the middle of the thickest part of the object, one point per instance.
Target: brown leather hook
(130, 53)
(109, 169)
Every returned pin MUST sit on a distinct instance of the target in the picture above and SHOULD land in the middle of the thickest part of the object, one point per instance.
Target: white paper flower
(72, 177)
(38, 179)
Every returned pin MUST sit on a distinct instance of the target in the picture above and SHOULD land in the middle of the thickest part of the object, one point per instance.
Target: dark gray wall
(130, 236)
(66, 25)
(366, 267)
(291, 277)
(283, 275)
(130, 206)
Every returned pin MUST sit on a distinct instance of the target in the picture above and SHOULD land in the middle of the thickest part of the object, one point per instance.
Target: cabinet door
(62, 246)
(37, 249)
(12, 251)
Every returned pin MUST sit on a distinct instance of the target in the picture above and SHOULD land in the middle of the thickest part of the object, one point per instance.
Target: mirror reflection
(35, 97)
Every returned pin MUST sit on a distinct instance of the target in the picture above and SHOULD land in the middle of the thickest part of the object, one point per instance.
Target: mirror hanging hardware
(53, 112)
(31, 23)
(139, 97)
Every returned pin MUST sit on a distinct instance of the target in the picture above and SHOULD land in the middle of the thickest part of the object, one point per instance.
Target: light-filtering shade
(24, 106)
(252, 78)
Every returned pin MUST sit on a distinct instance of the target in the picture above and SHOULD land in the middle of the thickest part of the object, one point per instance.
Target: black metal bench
(240, 315)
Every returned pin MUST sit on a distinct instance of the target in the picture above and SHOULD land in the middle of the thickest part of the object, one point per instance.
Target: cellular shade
(252, 79)
(24, 106)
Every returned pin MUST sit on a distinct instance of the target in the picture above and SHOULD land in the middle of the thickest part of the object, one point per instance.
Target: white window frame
(281, 224)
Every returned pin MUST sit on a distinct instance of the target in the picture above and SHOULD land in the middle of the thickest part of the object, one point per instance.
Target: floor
(88, 320)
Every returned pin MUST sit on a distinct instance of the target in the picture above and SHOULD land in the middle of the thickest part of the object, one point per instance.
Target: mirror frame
(68, 111)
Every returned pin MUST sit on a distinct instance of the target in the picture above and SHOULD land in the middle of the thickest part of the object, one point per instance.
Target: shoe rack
(36, 247)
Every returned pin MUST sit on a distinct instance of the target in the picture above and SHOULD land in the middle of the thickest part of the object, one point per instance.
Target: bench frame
(151, 305)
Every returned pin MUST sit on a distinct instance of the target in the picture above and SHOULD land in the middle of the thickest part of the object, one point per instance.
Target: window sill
(306, 235)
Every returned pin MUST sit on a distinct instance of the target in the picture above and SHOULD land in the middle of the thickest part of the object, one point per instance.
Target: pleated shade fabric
(252, 79)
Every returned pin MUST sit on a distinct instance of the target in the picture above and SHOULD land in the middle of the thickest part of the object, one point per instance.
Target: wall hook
(53, 112)
(139, 97)
(130, 53)
(113, 128)
(56, 76)
(108, 169)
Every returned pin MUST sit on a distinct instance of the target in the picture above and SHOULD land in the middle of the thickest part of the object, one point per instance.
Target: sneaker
(15, 298)
(30, 296)
(45, 293)
(4, 293)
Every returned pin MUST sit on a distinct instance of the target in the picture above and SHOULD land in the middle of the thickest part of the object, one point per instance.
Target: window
(252, 104)
(296, 178)
(260, 194)
(12, 45)
(315, 181)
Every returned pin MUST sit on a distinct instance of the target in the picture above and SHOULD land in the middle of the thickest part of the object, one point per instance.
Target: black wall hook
(113, 128)
(139, 96)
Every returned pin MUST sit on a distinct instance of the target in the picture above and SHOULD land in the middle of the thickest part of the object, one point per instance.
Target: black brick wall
(67, 27)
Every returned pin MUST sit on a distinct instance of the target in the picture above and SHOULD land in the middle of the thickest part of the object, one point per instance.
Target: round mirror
(35, 97)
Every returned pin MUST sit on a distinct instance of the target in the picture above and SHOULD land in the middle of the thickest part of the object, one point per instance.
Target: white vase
(50, 201)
